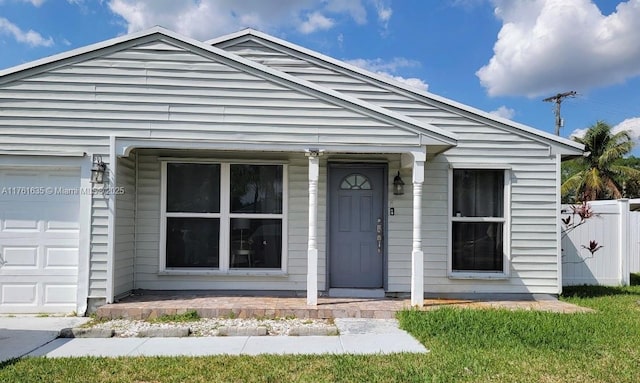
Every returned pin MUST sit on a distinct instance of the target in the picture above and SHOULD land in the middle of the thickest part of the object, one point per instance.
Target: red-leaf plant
(584, 212)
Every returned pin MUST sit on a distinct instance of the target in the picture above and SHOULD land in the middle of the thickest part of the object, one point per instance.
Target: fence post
(623, 238)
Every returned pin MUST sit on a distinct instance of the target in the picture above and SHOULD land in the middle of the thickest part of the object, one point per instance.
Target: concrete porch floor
(150, 304)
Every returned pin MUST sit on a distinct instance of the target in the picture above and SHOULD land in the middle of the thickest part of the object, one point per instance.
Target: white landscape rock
(126, 328)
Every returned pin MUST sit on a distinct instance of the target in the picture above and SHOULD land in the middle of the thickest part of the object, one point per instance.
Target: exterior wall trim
(84, 245)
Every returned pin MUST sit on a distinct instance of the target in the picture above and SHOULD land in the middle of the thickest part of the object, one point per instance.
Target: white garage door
(38, 240)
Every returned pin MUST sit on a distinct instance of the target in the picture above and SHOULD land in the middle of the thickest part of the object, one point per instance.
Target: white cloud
(388, 68)
(384, 12)
(354, 8)
(205, 19)
(384, 65)
(35, 3)
(579, 133)
(546, 46)
(632, 125)
(411, 81)
(466, 4)
(30, 37)
(504, 112)
(314, 22)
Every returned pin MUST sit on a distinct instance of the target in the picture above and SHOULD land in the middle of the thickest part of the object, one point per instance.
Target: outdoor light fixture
(97, 171)
(398, 185)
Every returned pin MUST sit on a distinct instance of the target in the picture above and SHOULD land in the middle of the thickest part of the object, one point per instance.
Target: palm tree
(598, 175)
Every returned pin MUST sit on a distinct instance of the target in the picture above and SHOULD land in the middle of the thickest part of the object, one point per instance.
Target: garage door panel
(20, 218)
(60, 257)
(24, 293)
(27, 294)
(38, 240)
(61, 226)
(35, 257)
(57, 294)
(19, 257)
(17, 224)
(61, 218)
(38, 274)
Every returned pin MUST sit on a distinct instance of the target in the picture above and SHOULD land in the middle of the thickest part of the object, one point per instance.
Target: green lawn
(466, 345)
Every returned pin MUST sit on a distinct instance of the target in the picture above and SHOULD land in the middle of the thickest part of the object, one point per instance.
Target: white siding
(98, 253)
(123, 272)
(159, 91)
(533, 215)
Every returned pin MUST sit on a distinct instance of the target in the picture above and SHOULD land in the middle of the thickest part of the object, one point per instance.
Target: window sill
(228, 273)
(479, 276)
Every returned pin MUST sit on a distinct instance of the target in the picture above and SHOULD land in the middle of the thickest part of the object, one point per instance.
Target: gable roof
(564, 146)
(429, 134)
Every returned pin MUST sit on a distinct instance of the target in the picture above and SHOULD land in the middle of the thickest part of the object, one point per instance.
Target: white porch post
(312, 247)
(111, 183)
(417, 256)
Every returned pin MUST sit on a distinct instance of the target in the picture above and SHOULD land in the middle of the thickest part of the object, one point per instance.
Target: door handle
(379, 235)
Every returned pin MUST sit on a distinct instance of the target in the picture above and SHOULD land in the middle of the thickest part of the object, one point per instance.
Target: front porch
(150, 224)
(152, 304)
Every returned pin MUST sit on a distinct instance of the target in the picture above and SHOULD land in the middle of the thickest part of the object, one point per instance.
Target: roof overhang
(125, 145)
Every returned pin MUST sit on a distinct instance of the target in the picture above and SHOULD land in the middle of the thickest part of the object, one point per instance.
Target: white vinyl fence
(634, 238)
(604, 248)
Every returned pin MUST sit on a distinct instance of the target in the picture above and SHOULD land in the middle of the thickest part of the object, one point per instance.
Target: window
(222, 216)
(478, 221)
(193, 215)
(355, 181)
(256, 199)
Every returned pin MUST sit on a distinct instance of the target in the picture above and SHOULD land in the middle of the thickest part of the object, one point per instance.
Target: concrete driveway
(20, 335)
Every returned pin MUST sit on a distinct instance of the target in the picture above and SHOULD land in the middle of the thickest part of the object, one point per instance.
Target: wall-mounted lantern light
(97, 171)
(398, 185)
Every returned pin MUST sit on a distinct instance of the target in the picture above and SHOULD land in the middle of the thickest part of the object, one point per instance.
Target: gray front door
(356, 207)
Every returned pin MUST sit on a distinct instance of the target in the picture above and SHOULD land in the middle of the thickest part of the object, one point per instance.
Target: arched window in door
(355, 181)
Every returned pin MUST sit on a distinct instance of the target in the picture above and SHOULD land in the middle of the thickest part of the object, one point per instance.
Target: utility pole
(558, 100)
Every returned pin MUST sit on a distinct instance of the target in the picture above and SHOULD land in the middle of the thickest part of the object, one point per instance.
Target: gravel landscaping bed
(125, 328)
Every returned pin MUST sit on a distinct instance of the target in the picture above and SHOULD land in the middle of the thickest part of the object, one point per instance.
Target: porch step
(150, 305)
(356, 293)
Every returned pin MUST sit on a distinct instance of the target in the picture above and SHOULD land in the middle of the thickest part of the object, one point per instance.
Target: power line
(558, 100)
(609, 110)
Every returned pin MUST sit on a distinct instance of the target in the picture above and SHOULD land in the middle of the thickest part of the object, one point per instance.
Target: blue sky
(501, 56)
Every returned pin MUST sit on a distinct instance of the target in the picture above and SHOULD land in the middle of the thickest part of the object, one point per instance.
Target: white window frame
(505, 220)
(225, 216)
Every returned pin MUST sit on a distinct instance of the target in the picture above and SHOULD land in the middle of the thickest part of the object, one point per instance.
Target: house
(249, 163)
